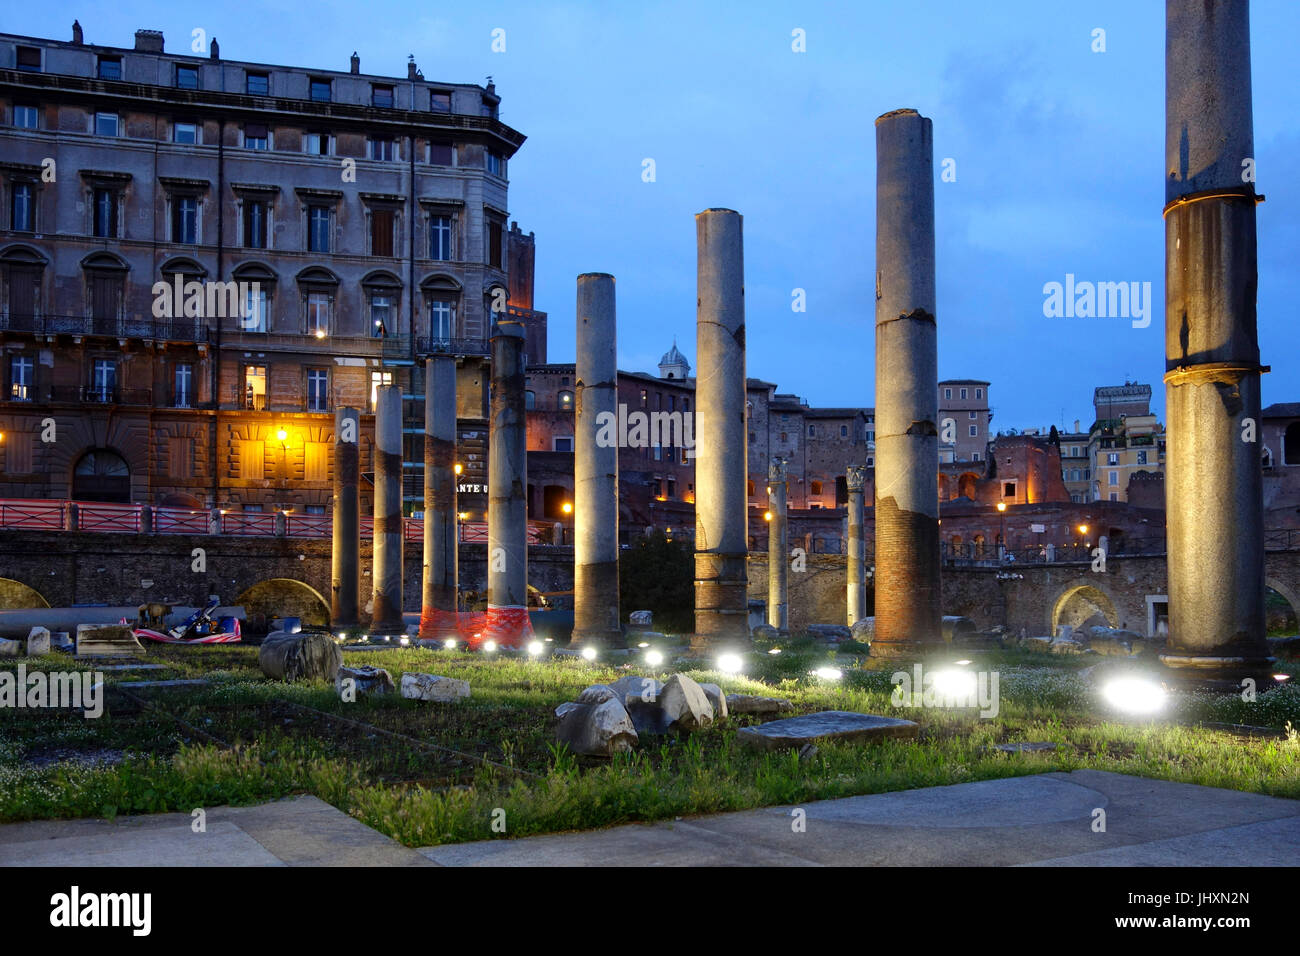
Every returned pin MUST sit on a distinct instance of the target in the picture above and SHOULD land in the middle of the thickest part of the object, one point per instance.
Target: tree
(657, 574)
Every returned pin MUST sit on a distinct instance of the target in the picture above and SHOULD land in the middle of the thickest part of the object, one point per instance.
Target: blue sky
(1058, 151)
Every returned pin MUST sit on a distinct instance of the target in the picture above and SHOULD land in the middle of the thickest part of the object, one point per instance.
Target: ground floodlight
(654, 658)
(589, 653)
(960, 685)
(829, 673)
(449, 644)
(775, 650)
(1134, 695)
(489, 646)
(536, 647)
(730, 663)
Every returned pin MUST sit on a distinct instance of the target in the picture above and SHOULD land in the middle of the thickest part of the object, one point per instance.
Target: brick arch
(1287, 592)
(15, 595)
(125, 435)
(283, 597)
(1092, 592)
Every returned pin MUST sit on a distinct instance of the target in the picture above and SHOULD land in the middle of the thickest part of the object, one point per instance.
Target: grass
(498, 751)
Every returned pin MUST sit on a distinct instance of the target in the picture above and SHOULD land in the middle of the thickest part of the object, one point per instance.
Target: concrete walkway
(1043, 820)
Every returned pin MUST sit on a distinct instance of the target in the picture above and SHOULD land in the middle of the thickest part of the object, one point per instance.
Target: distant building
(1125, 438)
(964, 414)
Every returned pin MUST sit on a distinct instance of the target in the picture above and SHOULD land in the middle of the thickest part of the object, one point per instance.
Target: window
(1008, 489)
(979, 393)
(947, 393)
(971, 416)
(316, 142)
(381, 232)
(103, 380)
(815, 488)
(440, 238)
(255, 388)
(1112, 478)
(106, 124)
(256, 309)
(490, 107)
(185, 220)
(963, 393)
(442, 319)
(185, 133)
(566, 400)
(749, 489)
(29, 59)
(180, 457)
(320, 91)
(440, 101)
(975, 456)
(376, 380)
(1112, 458)
(530, 399)
(382, 148)
(563, 444)
(105, 214)
(1114, 496)
(110, 68)
(440, 154)
(25, 117)
(252, 463)
(974, 431)
(187, 77)
(255, 216)
(812, 431)
(318, 229)
(645, 398)
(381, 96)
(494, 243)
(381, 315)
(314, 509)
(22, 207)
(256, 136)
(183, 385)
(316, 466)
(257, 84)
(1142, 457)
(18, 454)
(320, 306)
(318, 389)
(844, 431)
(493, 162)
(22, 380)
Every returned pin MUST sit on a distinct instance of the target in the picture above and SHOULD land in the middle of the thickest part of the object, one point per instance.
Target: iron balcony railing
(130, 327)
(436, 345)
(100, 395)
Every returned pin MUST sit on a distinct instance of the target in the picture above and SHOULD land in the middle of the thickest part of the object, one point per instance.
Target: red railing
(248, 523)
(33, 515)
(308, 526)
(108, 518)
(181, 521)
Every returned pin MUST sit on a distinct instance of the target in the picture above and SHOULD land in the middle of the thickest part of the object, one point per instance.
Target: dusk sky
(1058, 152)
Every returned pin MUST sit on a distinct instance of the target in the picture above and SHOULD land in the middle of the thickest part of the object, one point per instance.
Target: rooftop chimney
(411, 71)
(77, 38)
(214, 51)
(356, 62)
(149, 41)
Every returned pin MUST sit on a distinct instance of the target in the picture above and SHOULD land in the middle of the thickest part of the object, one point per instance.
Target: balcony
(115, 327)
(434, 345)
(98, 395)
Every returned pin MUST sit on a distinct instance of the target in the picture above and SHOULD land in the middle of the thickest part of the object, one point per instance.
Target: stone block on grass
(366, 680)
(38, 641)
(434, 688)
(106, 640)
(749, 704)
(306, 655)
(829, 725)
(596, 730)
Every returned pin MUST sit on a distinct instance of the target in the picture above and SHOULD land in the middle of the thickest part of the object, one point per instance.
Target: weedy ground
(435, 773)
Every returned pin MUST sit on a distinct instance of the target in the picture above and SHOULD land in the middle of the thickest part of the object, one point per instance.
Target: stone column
(346, 552)
(386, 613)
(507, 616)
(907, 390)
(778, 549)
(721, 434)
(441, 558)
(857, 563)
(595, 468)
(1213, 482)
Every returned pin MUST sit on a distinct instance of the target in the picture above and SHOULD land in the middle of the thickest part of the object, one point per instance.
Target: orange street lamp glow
(1083, 529)
(1002, 506)
(567, 508)
(458, 469)
(282, 435)
(767, 516)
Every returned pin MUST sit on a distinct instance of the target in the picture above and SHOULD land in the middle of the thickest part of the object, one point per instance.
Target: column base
(1218, 674)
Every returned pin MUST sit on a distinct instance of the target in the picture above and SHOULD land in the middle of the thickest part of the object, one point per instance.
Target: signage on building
(472, 489)
(1038, 528)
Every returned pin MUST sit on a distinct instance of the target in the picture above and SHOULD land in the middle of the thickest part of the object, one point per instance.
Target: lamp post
(1002, 529)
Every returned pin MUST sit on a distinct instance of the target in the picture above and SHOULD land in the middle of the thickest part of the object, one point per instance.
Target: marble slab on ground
(297, 831)
(827, 725)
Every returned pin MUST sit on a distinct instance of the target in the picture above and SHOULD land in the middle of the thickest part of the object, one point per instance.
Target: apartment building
(201, 258)
(1124, 439)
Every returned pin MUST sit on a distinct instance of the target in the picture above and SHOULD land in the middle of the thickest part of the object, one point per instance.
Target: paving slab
(826, 725)
(1046, 818)
(297, 831)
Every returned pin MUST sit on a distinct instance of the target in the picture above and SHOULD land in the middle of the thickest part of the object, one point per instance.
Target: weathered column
(441, 559)
(857, 564)
(1213, 482)
(778, 549)
(595, 468)
(721, 516)
(907, 389)
(507, 615)
(386, 612)
(346, 552)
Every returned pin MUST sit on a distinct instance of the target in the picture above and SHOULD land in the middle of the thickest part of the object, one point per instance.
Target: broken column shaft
(507, 615)
(595, 468)
(441, 559)
(1213, 483)
(856, 603)
(778, 548)
(907, 389)
(721, 514)
(386, 612)
(346, 551)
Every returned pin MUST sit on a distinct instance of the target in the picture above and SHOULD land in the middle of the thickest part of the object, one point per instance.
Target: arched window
(816, 488)
(101, 475)
(565, 400)
(1291, 444)
(530, 399)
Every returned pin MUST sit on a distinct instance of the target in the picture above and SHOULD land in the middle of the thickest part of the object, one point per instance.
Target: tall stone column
(1213, 481)
(721, 456)
(907, 389)
(386, 613)
(507, 615)
(346, 551)
(441, 558)
(595, 469)
(856, 602)
(778, 548)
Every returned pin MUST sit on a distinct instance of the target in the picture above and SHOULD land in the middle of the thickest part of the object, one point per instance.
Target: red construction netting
(508, 626)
